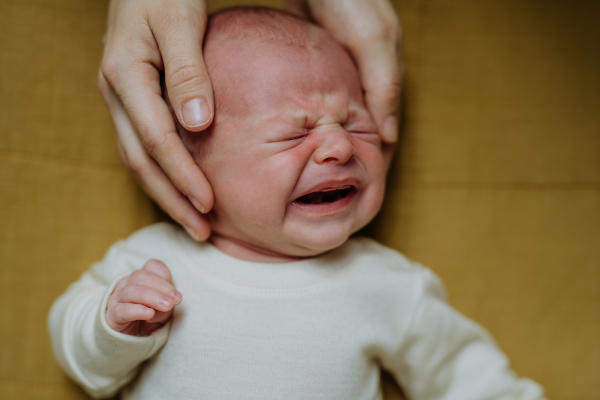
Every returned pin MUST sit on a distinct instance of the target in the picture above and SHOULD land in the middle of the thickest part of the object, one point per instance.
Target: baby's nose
(334, 145)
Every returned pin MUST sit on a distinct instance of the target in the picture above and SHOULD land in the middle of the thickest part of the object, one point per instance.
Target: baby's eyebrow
(305, 119)
(301, 118)
(307, 114)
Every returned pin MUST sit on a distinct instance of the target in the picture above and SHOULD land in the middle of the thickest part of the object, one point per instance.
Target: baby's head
(293, 154)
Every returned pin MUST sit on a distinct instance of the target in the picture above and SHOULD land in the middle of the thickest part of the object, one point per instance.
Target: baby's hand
(142, 301)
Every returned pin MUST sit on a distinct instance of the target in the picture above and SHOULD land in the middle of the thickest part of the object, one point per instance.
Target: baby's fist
(142, 301)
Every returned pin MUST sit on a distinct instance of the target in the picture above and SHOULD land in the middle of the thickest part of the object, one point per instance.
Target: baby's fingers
(157, 276)
(146, 296)
(160, 317)
(122, 315)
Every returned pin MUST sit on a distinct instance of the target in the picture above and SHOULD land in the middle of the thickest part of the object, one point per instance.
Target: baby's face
(293, 155)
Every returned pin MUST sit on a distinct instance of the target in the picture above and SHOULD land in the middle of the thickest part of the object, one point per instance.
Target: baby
(280, 303)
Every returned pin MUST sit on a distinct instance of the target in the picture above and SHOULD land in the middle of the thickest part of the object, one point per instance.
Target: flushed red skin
(295, 122)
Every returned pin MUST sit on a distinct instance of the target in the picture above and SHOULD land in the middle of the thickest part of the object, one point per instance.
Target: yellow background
(496, 186)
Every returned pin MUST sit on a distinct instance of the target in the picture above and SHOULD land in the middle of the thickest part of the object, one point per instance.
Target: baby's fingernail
(195, 113)
(176, 296)
(390, 129)
(197, 204)
(192, 233)
(165, 303)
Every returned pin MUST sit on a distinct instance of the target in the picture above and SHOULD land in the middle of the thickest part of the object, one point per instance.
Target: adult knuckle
(110, 67)
(183, 74)
(385, 29)
(387, 92)
(153, 143)
(136, 163)
(173, 15)
(392, 90)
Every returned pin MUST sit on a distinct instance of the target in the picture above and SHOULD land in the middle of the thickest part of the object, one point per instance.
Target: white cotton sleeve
(98, 358)
(446, 356)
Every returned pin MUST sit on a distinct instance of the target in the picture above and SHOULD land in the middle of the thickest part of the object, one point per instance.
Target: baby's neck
(248, 252)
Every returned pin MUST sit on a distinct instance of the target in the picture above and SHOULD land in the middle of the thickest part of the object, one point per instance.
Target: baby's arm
(446, 356)
(92, 325)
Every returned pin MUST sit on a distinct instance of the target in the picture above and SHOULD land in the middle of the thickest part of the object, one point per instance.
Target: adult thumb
(186, 78)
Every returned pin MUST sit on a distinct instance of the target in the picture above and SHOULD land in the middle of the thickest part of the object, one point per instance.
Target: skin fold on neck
(245, 251)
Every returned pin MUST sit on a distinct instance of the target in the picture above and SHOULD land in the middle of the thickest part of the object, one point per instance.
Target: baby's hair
(251, 23)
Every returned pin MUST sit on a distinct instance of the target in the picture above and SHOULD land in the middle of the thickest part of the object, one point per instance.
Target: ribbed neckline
(207, 260)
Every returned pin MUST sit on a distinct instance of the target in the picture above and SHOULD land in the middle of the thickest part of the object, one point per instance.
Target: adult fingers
(381, 77)
(299, 8)
(158, 134)
(130, 66)
(179, 32)
(149, 173)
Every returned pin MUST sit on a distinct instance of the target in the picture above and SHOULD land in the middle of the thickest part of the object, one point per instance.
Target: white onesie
(320, 328)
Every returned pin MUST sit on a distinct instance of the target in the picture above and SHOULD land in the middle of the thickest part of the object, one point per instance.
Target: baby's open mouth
(325, 196)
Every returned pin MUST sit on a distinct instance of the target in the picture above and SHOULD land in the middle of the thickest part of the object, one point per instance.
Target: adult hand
(370, 30)
(143, 38)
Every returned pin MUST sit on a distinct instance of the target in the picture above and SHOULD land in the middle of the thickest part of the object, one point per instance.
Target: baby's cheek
(372, 156)
(374, 161)
(265, 185)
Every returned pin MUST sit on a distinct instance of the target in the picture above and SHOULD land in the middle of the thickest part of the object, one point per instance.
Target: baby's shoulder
(152, 242)
(160, 232)
(376, 254)
(393, 268)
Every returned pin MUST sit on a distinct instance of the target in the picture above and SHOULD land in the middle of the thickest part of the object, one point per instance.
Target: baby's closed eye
(295, 137)
(367, 135)
(288, 136)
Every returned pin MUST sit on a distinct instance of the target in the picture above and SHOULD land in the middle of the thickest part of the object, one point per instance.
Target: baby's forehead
(253, 53)
(265, 71)
(263, 76)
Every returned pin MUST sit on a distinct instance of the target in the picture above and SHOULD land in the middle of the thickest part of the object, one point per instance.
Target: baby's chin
(283, 249)
(312, 243)
(316, 245)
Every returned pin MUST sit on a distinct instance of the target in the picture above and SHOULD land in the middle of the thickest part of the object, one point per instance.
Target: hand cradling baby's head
(293, 155)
